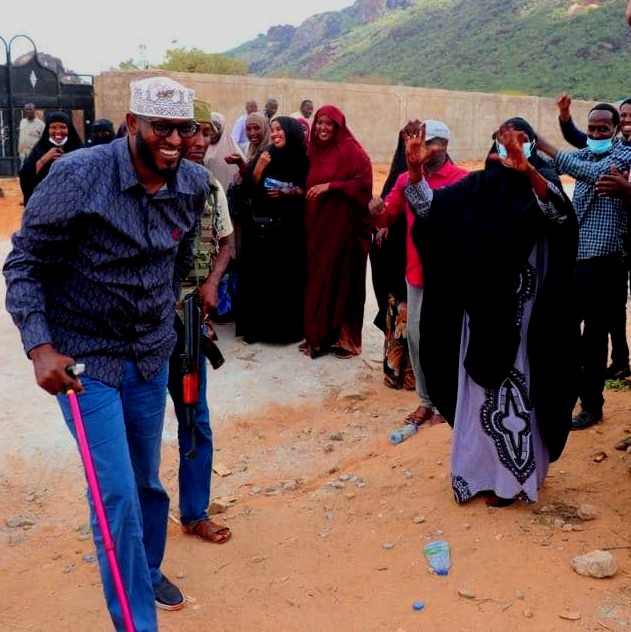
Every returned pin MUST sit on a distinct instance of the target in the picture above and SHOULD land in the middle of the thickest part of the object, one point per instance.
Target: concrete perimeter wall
(374, 113)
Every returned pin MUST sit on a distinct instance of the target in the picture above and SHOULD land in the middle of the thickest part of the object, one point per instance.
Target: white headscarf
(215, 154)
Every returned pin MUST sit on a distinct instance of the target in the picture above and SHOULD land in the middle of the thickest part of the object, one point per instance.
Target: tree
(128, 64)
(196, 60)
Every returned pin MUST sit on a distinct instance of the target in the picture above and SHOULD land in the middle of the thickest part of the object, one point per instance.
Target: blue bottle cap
(418, 605)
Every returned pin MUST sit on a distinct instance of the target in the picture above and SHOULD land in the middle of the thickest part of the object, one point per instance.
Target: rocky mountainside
(538, 47)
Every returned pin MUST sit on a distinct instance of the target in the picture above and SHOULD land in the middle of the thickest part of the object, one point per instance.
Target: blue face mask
(502, 153)
(599, 146)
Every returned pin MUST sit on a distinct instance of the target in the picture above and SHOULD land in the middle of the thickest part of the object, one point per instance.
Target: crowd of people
(483, 280)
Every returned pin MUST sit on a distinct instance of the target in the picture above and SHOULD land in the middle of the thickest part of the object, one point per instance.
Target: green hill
(537, 47)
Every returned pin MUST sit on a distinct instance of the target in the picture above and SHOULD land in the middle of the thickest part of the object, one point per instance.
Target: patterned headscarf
(263, 122)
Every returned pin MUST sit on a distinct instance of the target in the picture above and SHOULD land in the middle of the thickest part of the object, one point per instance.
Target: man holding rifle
(187, 367)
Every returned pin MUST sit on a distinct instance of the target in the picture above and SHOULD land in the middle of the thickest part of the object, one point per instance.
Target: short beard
(144, 153)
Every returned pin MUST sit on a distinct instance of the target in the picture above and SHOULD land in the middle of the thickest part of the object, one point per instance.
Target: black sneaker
(585, 419)
(617, 372)
(168, 595)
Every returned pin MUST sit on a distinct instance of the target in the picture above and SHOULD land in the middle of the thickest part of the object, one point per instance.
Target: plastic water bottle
(279, 185)
(400, 435)
(437, 554)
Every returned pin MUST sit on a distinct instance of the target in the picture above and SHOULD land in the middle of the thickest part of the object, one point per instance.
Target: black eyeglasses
(164, 130)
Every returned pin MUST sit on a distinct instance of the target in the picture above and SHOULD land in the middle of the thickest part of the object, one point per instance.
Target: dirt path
(312, 513)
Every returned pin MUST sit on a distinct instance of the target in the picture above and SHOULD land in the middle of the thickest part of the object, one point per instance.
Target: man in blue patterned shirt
(600, 269)
(92, 277)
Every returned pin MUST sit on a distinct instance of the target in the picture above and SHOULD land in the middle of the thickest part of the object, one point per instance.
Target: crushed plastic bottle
(400, 435)
(437, 554)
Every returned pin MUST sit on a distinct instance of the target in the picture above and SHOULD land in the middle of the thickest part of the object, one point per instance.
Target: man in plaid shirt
(600, 273)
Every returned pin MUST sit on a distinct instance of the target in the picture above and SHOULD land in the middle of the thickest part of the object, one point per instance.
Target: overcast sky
(91, 37)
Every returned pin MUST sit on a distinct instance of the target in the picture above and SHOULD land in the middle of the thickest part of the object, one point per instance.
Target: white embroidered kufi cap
(161, 97)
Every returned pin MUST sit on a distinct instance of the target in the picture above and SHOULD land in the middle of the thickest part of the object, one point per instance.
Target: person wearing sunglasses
(105, 241)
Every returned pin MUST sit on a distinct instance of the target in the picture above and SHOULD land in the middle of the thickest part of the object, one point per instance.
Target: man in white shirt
(238, 131)
(31, 129)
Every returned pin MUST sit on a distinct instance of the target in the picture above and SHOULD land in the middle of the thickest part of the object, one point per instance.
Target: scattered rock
(407, 474)
(567, 527)
(290, 485)
(466, 526)
(599, 456)
(597, 564)
(329, 515)
(570, 615)
(558, 523)
(578, 527)
(387, 545)
(221, 469)
(466, 594)
(329, 447)
(381, 568)
(68, 568)
(257, 559)
(19, 521)
(350, 495)
(336, 436)
(84, 537)
(353, 393)
(84, 529)
(56, 556)
(587, 512)
(324, 534)
(419, 519)
(344, 477)
(528, 613)
(255, 490)
(220, 505)
(180, 575)
(89, 558)
(519, 594)
(336, 484)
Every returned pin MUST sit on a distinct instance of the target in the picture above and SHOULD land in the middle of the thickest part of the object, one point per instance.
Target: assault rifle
(195, 344)
(190, 363)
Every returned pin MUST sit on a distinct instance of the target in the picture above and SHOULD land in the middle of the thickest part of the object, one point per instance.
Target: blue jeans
(194, 474)
(124, 430)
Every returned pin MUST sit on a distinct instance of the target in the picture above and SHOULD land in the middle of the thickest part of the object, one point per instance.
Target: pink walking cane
(93, 484)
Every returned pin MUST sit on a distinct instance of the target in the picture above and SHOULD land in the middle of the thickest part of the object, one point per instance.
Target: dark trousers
(598, 289)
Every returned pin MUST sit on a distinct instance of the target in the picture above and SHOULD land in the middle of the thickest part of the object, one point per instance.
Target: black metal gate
(29, 80)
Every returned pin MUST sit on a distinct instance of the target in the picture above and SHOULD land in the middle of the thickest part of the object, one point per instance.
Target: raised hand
(564, 101)
(417, 153)
(513, 140)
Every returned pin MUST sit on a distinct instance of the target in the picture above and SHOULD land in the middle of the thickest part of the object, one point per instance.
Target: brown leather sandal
(209, 531)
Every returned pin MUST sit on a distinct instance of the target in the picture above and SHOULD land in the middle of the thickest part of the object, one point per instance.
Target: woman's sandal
(344, 354)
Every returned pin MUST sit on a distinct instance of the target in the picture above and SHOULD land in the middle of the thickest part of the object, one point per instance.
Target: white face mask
(58, 144)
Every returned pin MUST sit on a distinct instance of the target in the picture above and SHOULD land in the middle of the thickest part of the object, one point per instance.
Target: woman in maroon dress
(338, 228)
